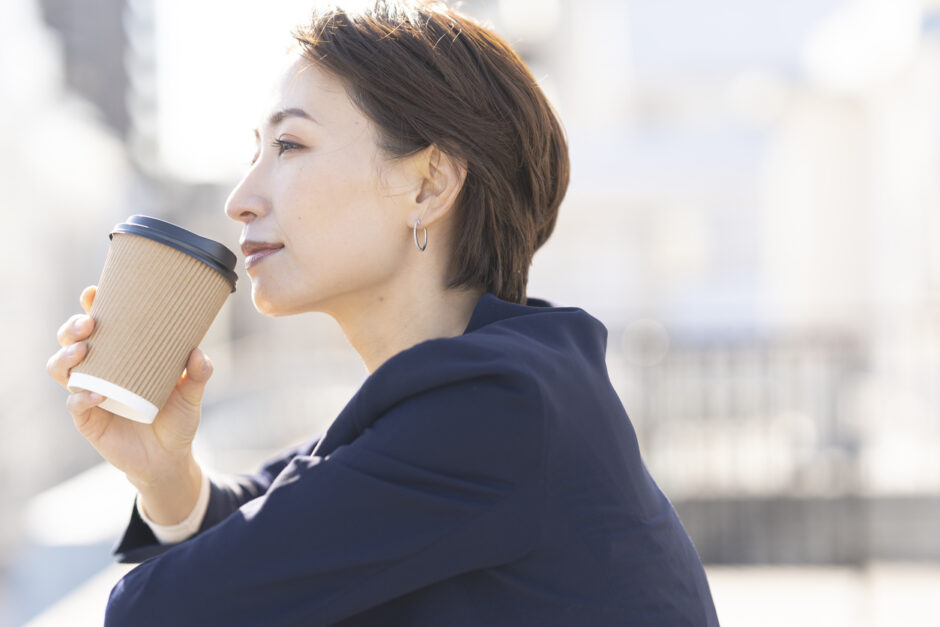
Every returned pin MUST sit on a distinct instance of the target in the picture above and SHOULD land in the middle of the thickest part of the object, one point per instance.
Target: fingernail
(94, 397)
(71, 350)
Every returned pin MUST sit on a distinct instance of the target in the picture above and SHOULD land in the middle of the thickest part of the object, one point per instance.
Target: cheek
(335, 206)
(319, 186)
(300, 205)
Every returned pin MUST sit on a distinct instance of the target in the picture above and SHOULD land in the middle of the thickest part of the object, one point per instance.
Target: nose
(246, 202)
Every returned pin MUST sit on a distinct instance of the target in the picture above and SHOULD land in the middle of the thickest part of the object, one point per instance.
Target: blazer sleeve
(444, 483)
(226, 495)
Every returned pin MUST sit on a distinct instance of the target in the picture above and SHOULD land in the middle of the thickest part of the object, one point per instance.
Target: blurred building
(92, 49)
(775, 284)
(64, 175)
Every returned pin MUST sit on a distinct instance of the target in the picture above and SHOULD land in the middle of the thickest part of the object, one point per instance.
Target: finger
(64, 360)
(193, 382)
(76, 328)
(88, 297)
(80, 405)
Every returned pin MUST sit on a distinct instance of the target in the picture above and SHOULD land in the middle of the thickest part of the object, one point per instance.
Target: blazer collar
(491, 309)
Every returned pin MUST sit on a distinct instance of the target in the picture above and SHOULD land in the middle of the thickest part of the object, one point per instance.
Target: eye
(283, 146)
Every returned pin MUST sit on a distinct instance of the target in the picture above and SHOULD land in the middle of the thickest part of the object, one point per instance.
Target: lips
(257, 251)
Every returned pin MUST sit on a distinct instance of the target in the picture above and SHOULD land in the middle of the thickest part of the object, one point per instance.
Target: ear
(442, 178)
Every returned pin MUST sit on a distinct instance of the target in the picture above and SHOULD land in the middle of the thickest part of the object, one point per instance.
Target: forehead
(301, 84)
(301, 75)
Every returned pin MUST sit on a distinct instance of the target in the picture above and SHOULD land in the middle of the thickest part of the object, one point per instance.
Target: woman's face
(326, 213)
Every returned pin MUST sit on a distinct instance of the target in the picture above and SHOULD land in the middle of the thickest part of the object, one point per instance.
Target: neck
(393, 322)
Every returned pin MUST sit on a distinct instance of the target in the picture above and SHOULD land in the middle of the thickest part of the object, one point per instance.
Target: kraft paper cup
(160, 290)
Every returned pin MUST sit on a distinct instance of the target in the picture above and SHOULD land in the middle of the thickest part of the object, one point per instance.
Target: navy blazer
(487, 479)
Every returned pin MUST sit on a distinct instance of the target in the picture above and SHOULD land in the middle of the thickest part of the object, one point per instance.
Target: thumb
(193, 382)
(178, 420)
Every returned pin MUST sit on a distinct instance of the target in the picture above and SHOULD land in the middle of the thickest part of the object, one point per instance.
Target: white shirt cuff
(173, 534)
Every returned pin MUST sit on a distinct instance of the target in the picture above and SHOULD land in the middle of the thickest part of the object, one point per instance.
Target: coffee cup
(159, 291)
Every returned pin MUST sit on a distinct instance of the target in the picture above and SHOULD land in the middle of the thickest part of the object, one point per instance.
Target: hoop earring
(420, 247)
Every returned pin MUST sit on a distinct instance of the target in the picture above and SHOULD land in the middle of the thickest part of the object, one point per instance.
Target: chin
(267, 306)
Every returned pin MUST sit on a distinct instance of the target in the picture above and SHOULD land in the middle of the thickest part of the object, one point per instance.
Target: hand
(156, 458)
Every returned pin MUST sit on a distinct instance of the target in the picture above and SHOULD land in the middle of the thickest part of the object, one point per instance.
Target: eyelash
(281, 145)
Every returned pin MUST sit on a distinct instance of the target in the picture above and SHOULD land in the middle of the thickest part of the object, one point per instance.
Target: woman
(485, 473)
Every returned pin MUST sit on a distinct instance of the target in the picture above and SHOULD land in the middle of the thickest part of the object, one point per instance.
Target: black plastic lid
(210, 252)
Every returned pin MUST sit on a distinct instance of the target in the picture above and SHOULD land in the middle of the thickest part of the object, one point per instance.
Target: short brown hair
(428, 75)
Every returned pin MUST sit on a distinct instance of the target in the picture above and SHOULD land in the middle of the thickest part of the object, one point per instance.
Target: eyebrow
(279, 116)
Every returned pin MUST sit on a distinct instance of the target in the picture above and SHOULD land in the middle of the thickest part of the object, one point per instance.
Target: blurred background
(753, 213)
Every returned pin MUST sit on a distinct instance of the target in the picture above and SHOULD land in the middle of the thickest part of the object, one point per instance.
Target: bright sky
(216, 60)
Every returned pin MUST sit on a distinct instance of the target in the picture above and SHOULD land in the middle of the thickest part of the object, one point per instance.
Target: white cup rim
(118, 400)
